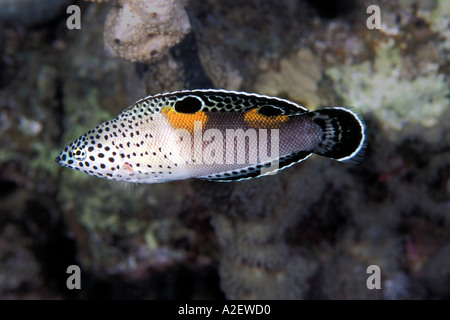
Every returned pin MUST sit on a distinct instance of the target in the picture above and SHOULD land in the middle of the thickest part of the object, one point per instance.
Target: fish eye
(78, 153)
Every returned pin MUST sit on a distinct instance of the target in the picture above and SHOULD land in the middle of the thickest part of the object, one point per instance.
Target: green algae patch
(381, 88)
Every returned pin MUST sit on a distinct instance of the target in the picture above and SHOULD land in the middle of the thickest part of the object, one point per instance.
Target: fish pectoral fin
(258, 170)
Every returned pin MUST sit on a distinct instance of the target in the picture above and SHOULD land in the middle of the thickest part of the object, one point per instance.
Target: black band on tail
(343, 136)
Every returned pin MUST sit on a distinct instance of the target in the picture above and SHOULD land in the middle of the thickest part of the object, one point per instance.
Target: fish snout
(58, 160)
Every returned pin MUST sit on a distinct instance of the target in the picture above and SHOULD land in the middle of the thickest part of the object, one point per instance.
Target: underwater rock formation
(143, 31)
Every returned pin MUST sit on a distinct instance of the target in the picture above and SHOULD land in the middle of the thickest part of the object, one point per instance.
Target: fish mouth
(58, 160)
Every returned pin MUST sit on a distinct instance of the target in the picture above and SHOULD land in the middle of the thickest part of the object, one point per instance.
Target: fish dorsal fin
(256, 171)
(211, 100)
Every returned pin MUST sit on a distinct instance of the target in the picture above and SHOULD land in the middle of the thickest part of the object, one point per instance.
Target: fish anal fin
(259, 170)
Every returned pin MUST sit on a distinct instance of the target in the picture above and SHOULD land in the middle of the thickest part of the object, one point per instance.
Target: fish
(212, 134)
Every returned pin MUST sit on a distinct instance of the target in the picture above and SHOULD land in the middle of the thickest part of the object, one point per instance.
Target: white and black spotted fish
(214, 135)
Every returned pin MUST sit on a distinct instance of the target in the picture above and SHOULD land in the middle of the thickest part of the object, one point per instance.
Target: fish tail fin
(343, 130)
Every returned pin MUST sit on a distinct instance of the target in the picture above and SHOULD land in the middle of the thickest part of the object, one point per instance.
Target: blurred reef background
(308, 232)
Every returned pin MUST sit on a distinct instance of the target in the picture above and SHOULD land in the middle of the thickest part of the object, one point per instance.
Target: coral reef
(308, 232)
(420, 99)
(297, 78)
(144, 30)
(218, 68)
(338, 209)
(403, 81)
(256, 261)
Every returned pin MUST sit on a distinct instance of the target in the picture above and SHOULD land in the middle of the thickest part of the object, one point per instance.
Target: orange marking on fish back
(184, 120)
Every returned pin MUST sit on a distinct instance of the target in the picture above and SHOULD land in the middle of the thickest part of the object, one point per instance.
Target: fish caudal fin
(343, 135)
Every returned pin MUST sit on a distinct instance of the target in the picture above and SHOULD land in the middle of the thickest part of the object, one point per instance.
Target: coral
(164, 76)
(144, 31)
(256, 262)
(18, 267)
(350, 284)
(437, 14)
(392, 97)
(219, 69)
(405, 78)
(297, 77)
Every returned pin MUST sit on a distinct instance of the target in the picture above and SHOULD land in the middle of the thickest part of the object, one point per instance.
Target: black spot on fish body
(189, 104)
(270, 111)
